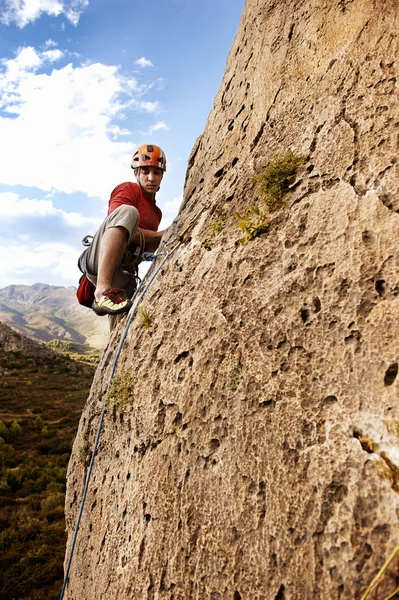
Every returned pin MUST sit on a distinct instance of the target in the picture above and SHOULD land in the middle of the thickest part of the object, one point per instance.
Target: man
(130, 228)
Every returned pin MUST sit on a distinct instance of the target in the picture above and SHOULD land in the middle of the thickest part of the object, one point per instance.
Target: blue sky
(82, 83)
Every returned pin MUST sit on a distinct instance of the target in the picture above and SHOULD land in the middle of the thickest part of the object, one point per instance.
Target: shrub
(235, 376)
(52, 501)
(45, 432)
(217, 225)
(277, 177)
(254, 222)
(146, 316)
(3, 429)
(120, 393)
(273, 183)
(8, 538)
(15, 429)
(8, 452)
(14, 364)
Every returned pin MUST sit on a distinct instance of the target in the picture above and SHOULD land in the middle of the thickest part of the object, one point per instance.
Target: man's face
(150, 178)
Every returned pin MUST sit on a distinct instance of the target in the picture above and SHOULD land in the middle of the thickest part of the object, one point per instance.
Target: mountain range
(45, 312)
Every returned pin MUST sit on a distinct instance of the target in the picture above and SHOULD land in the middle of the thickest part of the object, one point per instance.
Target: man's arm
(152, 238)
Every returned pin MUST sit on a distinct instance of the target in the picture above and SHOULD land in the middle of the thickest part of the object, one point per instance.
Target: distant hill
(46, 312)
(12, 341)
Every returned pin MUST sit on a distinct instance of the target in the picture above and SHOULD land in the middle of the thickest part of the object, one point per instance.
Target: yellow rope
(380, 574)
(392, 595)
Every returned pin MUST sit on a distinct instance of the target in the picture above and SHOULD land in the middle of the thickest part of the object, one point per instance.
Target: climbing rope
(379, 576)
(138, 295)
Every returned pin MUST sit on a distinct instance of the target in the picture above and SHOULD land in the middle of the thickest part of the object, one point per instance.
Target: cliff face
(257, 456)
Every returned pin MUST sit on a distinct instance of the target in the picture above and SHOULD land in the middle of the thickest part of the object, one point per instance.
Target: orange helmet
(148, 155)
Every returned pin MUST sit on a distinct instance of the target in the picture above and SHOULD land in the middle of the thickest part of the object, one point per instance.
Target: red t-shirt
(132, 194)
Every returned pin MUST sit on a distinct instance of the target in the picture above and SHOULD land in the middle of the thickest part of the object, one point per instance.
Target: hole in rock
(330, 399)
(180, 356)
(317, 304)
(280, 593)
(390, 374)
(178, 419)
(214, 444)
(380, 287)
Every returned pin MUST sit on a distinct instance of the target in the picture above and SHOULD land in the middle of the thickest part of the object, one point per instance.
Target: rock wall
(258, 454)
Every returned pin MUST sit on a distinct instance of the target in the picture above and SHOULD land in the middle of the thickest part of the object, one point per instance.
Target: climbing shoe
(112, 302)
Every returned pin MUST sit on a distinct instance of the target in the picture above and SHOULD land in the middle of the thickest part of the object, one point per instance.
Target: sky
(82, 84)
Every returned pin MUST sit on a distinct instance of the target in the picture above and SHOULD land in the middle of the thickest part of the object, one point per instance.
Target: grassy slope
(45, 397)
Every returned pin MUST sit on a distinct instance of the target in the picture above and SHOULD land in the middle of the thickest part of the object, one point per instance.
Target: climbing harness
(136, 299)
(132, 259)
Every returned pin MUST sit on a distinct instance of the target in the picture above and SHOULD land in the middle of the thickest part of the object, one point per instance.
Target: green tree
(3, 430)
(15, 429)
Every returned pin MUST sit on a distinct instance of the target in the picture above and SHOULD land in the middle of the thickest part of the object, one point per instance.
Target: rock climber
(131, 227)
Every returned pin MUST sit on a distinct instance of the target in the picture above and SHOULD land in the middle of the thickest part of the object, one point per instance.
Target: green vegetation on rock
(273, 183)
(277, 177)
(120, 393)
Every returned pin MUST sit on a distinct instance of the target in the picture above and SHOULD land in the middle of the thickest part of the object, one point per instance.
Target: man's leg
(104, 256)
(112, 248)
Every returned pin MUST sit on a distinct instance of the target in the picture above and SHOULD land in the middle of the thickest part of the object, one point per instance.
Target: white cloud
(50, 43)
(157, 127)
(39, 263)
(171, 207)
(60, 130)
(22, 12)
(13, 206)
(52, 55)
(143, 62)
(40, 242)
(149, 106)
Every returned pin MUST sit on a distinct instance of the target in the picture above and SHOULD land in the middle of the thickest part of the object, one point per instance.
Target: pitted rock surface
(258, 456)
